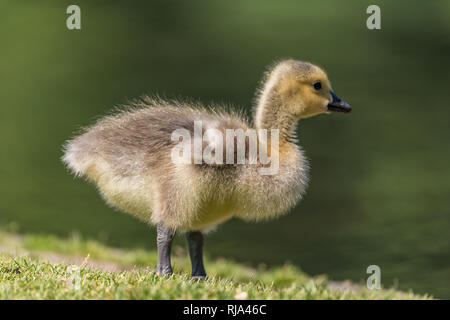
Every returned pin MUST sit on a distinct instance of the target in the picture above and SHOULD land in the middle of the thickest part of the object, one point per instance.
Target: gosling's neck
(270, 114)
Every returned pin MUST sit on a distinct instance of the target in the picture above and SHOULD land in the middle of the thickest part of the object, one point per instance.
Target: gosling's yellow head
(304, 89)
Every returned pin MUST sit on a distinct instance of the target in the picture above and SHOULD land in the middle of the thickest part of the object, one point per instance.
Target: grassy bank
(47, 267)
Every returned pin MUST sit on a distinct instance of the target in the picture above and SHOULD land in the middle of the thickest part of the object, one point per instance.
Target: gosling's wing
(141, 135)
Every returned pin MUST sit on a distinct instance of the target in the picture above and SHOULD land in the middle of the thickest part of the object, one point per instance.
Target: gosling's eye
(317, 85)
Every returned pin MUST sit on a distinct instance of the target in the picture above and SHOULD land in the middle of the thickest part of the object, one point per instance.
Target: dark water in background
(380, 184)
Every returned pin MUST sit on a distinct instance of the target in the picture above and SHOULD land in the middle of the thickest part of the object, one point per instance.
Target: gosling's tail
(78, 155)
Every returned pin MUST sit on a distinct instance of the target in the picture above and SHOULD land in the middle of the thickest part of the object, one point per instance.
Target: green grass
(28, 271)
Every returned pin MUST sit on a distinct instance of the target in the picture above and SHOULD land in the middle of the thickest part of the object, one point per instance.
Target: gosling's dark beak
(338, 105)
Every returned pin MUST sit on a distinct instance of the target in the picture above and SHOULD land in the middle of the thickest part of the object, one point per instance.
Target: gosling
(130, 157)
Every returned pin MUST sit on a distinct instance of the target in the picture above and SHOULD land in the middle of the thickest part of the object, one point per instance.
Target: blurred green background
(380, 188)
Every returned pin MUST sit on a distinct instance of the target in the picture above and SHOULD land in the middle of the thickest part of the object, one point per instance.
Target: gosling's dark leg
(164, 241)
(195, 242)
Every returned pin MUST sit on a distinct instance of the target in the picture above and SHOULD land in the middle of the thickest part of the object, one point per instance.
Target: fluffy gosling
(129, 156)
